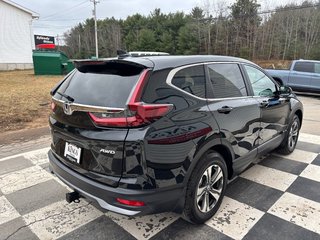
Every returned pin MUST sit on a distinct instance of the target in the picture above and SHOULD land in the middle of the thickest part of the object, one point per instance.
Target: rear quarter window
(191, 80)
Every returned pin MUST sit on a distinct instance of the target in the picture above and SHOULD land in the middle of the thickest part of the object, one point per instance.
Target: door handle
(264, 104)
(225, 109)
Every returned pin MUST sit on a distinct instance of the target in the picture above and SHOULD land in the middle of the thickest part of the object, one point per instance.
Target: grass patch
(25, 99)
(274, 64)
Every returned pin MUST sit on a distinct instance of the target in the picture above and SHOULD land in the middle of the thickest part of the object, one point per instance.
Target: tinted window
(262, 85)
(304, 67)
(317, 67)
(191, 80)
(226, 80)
(106, 85)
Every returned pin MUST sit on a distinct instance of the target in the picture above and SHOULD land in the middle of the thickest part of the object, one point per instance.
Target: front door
(274, 109)
(237, 114)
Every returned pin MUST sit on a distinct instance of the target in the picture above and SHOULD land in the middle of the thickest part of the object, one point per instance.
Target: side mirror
(285, 90)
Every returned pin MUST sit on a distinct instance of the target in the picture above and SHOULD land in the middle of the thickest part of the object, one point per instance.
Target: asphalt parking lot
(278, 197)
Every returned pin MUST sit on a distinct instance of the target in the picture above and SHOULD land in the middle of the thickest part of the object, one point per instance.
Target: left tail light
(52, 106)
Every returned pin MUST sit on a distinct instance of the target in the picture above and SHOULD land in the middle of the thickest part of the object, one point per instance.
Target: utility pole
(58, 43)
(79, 43)
(95, 24)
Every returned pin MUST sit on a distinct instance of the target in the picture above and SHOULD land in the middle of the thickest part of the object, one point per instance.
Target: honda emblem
(67, 108)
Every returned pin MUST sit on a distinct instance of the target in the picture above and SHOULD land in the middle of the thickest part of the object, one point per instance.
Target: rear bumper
(155, 200)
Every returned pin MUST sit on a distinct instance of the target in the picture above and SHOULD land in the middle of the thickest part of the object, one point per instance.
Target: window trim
(175, 70)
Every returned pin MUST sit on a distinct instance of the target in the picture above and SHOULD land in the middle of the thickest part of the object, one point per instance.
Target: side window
(304, 67)
(226, 80)
(191, 80)
(317, 68)
(262, 85)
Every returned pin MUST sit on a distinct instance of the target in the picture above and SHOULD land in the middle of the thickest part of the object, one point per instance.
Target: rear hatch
(90, 117)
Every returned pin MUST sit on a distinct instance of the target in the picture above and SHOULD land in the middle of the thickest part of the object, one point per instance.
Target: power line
(62, 20)
(67, 10)
(276, 10)
(51, 26)
(285, 9)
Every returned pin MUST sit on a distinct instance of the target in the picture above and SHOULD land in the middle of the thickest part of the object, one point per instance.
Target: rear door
(88, 121)
(301, 75)
(274, 109)
(237, 114)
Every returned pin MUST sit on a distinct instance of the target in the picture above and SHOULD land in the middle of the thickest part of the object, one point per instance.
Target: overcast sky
(57, 16)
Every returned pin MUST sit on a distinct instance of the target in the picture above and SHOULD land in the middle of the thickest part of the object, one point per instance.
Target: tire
(289, 143)
(196, 210)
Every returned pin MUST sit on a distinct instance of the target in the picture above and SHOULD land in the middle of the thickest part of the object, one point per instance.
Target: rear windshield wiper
(71, 99)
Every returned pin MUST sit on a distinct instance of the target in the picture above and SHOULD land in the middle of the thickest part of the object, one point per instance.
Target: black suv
(142, 135)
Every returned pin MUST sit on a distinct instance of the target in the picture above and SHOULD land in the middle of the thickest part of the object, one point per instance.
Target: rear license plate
(72, 152)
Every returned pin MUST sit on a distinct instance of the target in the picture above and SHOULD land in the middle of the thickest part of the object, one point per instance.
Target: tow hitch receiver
(73, 197)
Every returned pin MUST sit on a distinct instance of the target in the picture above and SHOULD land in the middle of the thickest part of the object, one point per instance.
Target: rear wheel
(206, 188)
(289, 143)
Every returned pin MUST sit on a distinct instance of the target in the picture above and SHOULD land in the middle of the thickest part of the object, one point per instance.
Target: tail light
(130, 202)
(137, 114)
(110, 119)
(53, 106)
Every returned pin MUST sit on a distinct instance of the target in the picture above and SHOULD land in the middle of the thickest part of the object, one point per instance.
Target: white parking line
(7, 211)
(15, 181)
(30, 153)
(144, 227)
(300, 156)
(235, 219)
(311, 172)
(310, 138)
(270, 177)
(57, 219)
(298, 210)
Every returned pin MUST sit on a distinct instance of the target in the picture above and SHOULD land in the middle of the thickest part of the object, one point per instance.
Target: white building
(16, 36)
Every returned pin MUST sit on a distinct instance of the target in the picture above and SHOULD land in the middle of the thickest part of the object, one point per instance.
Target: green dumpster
(51, 63)
(70, 66)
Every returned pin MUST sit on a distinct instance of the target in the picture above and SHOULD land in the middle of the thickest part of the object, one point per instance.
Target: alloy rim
(209, 188)
(293, 134)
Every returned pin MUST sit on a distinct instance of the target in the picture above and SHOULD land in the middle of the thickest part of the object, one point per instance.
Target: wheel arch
(222, 146)
(278, 80)
(227, 156)
(300, 115)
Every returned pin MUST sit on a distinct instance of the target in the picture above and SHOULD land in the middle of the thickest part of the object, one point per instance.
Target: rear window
(106, 85)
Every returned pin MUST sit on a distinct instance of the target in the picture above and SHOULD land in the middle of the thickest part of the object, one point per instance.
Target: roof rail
(124, 54)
